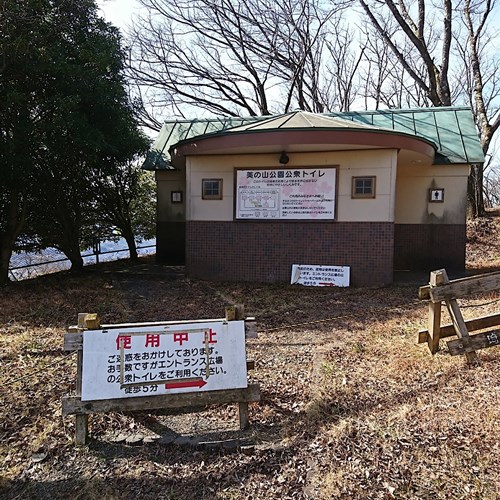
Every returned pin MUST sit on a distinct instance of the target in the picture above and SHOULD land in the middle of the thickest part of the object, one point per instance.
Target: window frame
(205, 196)
(365, 196)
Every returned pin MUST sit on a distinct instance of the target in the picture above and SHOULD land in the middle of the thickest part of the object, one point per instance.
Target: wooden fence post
(235, 313)
(85, 322)
(434, 325)
(440, 289)
(81, 421)
(457, 318)
(243, 413)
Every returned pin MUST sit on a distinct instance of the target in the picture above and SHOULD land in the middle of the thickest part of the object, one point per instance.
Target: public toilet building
(246, 198)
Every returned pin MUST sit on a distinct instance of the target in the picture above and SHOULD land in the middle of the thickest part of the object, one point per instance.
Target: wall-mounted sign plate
(176, 196)
(436, 195)
(286, 194)
(310, 275)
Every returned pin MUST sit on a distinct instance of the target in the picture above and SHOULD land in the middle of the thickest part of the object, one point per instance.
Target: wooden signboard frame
(73, 404)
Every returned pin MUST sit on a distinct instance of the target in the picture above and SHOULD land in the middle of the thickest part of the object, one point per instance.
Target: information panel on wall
(286, 194)
(154, 360)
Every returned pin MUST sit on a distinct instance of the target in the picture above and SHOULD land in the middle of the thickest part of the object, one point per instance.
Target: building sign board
(286, 194)
(154, 360)
(309, 275)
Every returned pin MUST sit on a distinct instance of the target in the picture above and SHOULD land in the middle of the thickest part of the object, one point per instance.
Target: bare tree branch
(244, 57)
(430, 62)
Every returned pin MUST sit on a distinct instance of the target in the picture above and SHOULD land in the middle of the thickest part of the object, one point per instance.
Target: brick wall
(253, 251)
(429, 246)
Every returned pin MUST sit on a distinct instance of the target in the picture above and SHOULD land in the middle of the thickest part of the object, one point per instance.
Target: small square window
(211, 189)
(363, 187)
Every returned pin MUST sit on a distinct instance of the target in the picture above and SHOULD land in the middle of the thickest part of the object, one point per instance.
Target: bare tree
(423, 68)
(482, 78)
(387, 83)
(342, 63)
(227, 57)
(431, 64)
(492, 186)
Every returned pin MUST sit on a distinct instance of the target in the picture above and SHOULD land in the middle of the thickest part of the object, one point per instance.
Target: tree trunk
(475, 191)
(5, 254)
(16, 210)
(76, 260)
(72, 252)
(132, 248)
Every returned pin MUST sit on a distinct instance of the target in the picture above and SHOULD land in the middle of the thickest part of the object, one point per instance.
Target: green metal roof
(174, 131)
(451, 130)
(303, 120)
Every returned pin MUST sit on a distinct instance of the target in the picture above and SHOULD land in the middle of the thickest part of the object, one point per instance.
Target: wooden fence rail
(441, 289)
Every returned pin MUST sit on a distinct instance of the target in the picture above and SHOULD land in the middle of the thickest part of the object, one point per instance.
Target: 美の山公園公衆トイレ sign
(286, 194)
(154, 360)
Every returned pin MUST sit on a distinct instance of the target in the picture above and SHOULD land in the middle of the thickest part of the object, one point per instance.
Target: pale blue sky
(118, 12)
(121, 12)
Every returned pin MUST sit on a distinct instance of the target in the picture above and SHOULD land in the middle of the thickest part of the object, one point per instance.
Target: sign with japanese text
(154, 360)
(277, 194)
(309, 275)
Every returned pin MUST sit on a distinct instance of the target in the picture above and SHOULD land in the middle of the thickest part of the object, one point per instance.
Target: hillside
(483, 243)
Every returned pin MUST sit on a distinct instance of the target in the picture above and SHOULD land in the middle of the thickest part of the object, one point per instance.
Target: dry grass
(399, 422)
(351, 406)
(483, 245)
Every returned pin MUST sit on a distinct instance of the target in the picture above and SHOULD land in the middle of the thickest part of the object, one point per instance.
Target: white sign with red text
(154, 360)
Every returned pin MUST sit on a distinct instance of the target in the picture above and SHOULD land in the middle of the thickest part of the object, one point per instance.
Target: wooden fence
(441, 289)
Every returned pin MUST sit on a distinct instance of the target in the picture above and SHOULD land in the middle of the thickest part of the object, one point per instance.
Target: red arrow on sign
(327, 284)
(188, 383)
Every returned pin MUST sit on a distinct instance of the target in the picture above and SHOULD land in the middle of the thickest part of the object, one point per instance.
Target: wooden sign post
(144, 366)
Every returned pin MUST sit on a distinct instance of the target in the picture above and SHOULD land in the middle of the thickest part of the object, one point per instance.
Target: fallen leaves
(350, 407)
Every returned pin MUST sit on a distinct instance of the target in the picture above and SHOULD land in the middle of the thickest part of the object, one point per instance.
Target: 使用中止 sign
(154, 360)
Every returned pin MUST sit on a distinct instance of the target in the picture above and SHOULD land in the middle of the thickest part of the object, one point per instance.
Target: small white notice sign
(154, 360)
(309, 275)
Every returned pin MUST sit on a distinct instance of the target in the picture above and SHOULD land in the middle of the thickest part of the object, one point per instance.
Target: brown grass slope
(351, 406)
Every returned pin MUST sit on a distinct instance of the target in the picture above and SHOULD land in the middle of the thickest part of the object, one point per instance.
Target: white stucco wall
(168, 181)
(412, 194)
(401, 191)
(379, 163)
